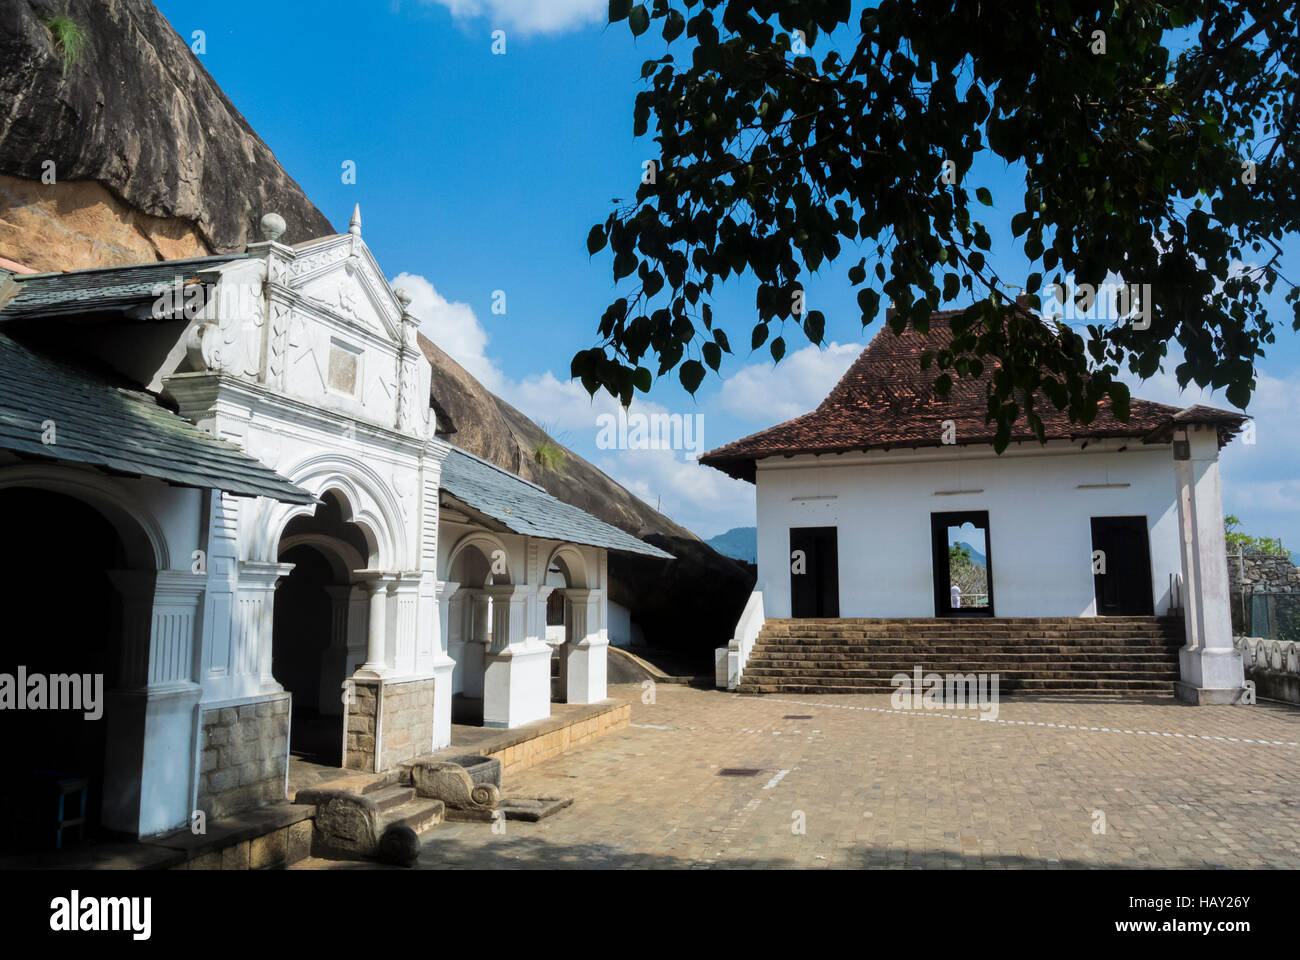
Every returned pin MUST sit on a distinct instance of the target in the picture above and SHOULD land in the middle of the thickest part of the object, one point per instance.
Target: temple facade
(281, 555)
(889, 502)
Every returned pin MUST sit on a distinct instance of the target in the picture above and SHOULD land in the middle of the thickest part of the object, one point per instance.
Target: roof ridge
(212, 258)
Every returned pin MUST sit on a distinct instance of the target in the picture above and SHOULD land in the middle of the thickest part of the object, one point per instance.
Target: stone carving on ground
(452, 784)
(346, 824)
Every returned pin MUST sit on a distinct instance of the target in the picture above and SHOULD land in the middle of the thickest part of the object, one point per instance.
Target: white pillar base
(584, 670)
(517, 685)
(1210, 676)
(442, 671)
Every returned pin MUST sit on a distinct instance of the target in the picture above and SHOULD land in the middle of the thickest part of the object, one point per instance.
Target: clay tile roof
(886, 400)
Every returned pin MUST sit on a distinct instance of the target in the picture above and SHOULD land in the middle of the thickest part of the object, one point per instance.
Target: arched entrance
(60, 568)
(318, 637)
(561, 575)
(475, 566)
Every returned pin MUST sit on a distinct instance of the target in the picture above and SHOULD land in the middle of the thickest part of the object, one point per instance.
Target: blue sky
(479, 173)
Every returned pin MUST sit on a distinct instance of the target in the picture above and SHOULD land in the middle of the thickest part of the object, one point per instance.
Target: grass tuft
(70, 40)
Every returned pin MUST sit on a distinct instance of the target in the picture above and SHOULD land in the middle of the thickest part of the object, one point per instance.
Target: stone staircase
(354, 812)
(1031, 655)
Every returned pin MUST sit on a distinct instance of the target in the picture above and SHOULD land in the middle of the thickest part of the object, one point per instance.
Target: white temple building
(260, 537)
(866, 505)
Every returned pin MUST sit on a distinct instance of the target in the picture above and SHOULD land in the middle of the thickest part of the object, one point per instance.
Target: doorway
(962, 563)
(314, 635)
(301, 640)
(57, 753)
(814, 572)
(1121, 567)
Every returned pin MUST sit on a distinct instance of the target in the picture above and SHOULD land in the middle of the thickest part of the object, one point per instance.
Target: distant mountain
(976, 558)
(739, 543)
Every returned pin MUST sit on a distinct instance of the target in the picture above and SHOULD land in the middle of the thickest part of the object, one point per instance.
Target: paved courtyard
(844, 781)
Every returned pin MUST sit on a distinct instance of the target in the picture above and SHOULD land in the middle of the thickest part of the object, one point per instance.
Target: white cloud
(1260, 482)
(772, 393)
(453, 327)
(697, 497)
(529, 16)
(705, 501)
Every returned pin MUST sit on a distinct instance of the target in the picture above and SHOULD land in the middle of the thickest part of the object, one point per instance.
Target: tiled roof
(104, 288)
(106, 425)
(886, 400)
(525, 508)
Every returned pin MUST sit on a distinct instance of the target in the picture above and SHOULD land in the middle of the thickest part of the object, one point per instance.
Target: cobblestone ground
(1177, 786)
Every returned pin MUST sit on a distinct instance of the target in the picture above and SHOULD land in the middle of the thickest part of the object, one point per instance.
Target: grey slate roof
(528, 509)
(105, 425)
(104, 288)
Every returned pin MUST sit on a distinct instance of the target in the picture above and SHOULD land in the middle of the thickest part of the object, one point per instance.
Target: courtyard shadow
(523, 852)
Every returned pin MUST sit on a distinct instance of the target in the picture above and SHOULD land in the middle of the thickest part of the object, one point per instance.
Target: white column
(474, 636)
(333, 663)
(405, 608)
(255, 627)
(443, 666)
(517, 668)
(149, 758)
(585, 648)
(1211, 669)
(376, 664)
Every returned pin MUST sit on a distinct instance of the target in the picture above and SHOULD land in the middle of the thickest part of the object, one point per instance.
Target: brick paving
(1178, 787)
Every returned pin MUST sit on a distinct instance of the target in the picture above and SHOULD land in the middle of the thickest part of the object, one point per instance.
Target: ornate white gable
(317, 323)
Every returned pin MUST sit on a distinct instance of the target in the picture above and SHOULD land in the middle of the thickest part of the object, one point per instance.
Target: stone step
(975, 632)
(956, 663)
(390, 797)
(1004, 676)
(1020, 686)
(923, 621)
(418, 813)
(950, 649)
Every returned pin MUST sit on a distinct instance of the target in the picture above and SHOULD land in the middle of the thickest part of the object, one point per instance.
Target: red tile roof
(886, 400)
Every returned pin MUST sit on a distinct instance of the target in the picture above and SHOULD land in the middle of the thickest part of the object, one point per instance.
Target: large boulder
(152, 161)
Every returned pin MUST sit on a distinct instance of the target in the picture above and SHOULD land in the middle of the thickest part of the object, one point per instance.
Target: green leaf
(673, 26)
(691, 375)
(869, 302)
(639, 20)
(712, 355)
(778, 349)
(814, 325)
(984, 197)
(642, 379)
(759, 337)
(596, 239)
(619, 9)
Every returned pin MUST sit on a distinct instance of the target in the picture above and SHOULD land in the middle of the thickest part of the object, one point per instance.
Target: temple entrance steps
(1031, 655)
(354, 812)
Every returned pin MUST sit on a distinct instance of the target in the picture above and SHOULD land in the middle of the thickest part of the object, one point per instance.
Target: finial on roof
(404, 298)
(354, 226)
(273, 227)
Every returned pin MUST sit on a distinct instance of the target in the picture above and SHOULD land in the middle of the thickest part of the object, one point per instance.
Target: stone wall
(406, 729)
(1265, 592)
(245, 756)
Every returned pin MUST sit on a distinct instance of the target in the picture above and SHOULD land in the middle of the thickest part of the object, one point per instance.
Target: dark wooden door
(1122, 570)
(814, 572)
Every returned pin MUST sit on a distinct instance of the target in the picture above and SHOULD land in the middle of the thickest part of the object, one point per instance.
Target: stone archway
(566, 573)
(477, 562)
(320, 622)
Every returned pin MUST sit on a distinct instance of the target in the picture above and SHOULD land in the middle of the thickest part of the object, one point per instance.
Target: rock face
(141, 119)
(151, 161)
